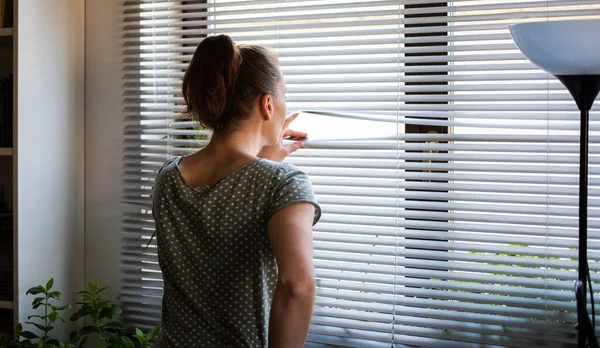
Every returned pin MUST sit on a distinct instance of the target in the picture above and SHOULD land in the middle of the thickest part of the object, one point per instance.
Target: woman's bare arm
(290, 232)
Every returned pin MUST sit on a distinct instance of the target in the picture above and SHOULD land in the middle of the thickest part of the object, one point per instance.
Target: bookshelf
(8, 186)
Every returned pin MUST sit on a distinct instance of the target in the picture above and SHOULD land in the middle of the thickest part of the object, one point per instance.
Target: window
(446, 164)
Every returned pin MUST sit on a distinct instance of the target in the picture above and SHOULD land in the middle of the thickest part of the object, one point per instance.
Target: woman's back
(218, 267)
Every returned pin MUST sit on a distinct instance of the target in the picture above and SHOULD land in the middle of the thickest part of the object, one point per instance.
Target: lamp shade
(561, 47)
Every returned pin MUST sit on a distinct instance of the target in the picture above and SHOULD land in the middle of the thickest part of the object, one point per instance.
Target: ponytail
(214, 68)
(223, 80)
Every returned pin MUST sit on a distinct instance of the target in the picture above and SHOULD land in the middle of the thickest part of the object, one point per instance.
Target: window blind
(445, 163)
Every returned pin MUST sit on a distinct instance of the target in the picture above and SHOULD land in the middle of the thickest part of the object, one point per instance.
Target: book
(8, 102)
(6, 112)
(3, 118)
(8, 14)
(2, 12)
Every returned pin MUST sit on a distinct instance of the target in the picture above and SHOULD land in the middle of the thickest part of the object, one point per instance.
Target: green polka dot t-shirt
(218, 267)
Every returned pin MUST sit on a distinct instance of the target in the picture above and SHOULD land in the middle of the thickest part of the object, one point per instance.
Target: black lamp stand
(584, 89)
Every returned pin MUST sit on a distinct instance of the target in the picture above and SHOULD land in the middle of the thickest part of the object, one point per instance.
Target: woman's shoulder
(283, 173)
(168, 167)
(277, 168)
(170, 163)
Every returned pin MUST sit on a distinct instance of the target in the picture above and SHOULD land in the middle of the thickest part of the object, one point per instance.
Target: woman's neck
(242, 142)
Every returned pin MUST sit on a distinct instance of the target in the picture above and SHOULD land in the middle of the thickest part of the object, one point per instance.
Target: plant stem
(46, 318)
(96, 315)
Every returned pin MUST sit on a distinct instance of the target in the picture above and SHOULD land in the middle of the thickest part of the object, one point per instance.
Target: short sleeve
(157, 180)
(293, 186)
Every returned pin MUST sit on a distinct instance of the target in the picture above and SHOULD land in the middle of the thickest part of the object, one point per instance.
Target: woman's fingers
(279, 152)
(289, 120)
(292, 134)
(294, 147)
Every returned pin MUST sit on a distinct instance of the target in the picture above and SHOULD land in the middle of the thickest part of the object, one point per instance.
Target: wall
(104, 141)
(50, 155)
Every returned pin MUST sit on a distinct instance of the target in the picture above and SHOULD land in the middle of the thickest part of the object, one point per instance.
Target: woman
(234, 226)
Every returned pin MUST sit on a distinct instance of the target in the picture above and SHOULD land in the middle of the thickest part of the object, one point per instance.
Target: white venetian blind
(445, 163)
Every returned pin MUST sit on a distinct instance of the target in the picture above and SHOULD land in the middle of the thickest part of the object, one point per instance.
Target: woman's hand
(279, 152)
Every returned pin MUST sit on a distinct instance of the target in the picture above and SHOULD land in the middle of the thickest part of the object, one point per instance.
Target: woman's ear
(266, 106)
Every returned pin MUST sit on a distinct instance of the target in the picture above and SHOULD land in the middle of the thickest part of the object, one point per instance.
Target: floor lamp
(570, 50)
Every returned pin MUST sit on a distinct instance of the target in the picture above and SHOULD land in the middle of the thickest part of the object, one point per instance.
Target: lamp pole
(584, 89)
(568, 50)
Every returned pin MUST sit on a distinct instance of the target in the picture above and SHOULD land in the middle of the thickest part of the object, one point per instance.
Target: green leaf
(38, 300)
(82, 343)
(127, 342)
(26, 343)
(35, 316)
(86, 330)
(54, 341)
(88, 297)
(39, 326)
(18, 330)
(74, 336)
(116, 309)
(36, 290)
(82, 312)
(115, 325)
(139, 332)
(75, 316)
(55, 295)
(49, 284)
(94, 287)
(106, 313)
(153, 332)
(28, 334)
(102, 289)
(50, 346)
(53, 317)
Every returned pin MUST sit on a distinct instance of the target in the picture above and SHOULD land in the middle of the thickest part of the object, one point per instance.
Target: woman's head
(226, 83)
